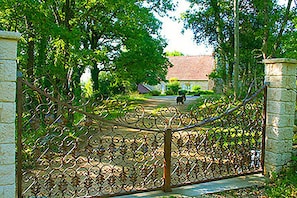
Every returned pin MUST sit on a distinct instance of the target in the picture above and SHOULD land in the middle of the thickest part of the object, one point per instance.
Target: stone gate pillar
(8, 68)
(281, 100)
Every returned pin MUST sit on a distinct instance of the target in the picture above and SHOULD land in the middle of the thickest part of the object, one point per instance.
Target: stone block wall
(8, 68)
(280, 114)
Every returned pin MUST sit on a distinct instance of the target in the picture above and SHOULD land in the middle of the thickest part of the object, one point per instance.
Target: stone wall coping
(280, 60)
(10, 35)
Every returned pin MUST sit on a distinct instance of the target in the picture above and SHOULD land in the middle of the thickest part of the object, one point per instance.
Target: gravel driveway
(158, 101)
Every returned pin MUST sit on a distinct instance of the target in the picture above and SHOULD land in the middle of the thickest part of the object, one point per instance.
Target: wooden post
(167, 160)
(19, 134)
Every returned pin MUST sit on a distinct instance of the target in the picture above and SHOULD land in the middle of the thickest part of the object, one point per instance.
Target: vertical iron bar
(19, 134)
(167, 161)
(264, 128)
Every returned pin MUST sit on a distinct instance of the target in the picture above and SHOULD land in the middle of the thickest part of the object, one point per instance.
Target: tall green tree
(263, 28)
(236, 47)
(49, 40)
(174, 53)
(60, 39)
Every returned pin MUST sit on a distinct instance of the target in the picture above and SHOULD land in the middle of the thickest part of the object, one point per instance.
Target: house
(190, 71)
(143, 88)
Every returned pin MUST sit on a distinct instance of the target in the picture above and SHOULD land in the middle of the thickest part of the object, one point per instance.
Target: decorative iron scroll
(71, 148)
(231, 145)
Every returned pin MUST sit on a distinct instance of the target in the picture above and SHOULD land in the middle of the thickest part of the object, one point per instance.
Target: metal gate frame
(169, 125)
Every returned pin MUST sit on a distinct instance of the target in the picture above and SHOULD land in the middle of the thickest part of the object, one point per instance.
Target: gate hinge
(266, 83)
(19, 74)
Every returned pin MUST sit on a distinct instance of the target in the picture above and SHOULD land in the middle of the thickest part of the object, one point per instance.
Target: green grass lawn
(283, 185)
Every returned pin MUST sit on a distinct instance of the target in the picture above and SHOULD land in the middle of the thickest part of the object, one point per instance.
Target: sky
(177, 41)
(184, 43)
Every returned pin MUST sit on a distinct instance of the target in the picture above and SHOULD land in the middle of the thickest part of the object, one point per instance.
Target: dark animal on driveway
(180, 99)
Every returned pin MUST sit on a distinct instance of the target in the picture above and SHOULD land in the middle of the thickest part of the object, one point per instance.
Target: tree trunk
(281, 31)
(94, 70)
(219, 31)
(95, 76)
(266, 30)
(41, 60)
(236, 48)
(30, 49)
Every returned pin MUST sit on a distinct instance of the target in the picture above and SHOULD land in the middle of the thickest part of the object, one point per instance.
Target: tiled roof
(142, 88)
(191, 67)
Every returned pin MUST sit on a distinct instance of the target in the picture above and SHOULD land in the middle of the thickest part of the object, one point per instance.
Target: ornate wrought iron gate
(69, 148)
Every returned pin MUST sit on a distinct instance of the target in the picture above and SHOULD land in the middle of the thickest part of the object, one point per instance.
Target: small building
(192, 70)
(189, 70)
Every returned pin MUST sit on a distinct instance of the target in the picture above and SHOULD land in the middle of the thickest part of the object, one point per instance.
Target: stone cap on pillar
(280, 67)
(8, 45)
(280, 60)
(10, 35)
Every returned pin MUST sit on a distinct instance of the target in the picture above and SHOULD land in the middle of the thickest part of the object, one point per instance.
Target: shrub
(182, 92)
(173, 85)
(169, 92)
(109, 85)
(191, 92)
(206, 92)
(196, 88)
(201, 92)
(155, 93)
(87, 88)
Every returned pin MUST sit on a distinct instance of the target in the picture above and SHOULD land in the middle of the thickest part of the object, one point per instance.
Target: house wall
(188, 85)
(185, 85)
